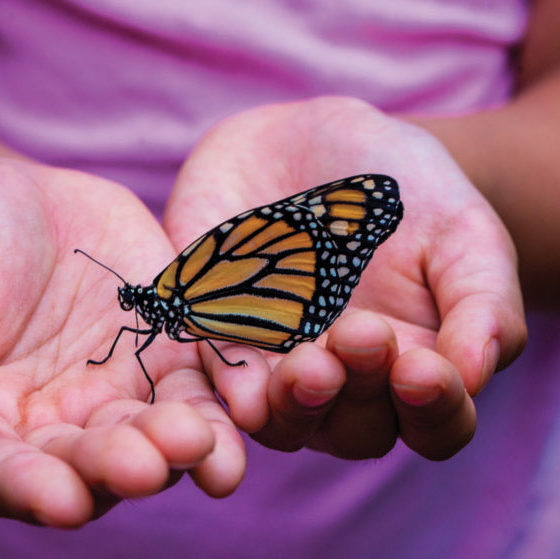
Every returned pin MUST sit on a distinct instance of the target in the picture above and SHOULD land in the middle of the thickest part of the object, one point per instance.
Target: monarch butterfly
(271, 277)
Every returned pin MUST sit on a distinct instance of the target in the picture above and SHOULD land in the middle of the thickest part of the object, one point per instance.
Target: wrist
(468, 141)
(8, 153)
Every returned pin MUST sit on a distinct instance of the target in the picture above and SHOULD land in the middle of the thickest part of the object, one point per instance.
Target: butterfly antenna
(102, 265)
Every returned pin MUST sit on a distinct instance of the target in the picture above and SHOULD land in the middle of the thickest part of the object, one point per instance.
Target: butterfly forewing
(281, 274)
(360, 213)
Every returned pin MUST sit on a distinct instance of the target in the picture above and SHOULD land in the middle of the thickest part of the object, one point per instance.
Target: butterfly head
(127, 296)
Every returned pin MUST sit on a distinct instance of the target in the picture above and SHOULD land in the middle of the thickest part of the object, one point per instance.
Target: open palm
(74, 440)
(443, 288)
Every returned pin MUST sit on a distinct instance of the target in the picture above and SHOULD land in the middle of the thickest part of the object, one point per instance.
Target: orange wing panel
(301, 261)
(225, 274)
(263, 337)
(347, 211)
(197, 259)
(244, 229)
(277, 229)
(282, 311)
(297, 241)
(167, 280)
(346, 195)
(302, 286)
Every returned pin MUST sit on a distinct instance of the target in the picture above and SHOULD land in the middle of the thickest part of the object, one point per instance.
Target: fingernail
(312, 398)
(489, 361)
(183, 466)
(376, 356)
(417, 395)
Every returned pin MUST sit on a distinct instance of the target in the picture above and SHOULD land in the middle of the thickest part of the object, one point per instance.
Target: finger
(222, 470)
(367, 346)
(362, 423)
(210, 447)
(37, 487)
(479, 299)
(481, 334)
(301, 391)
(178, 431)
(436, 415)
(118, 459)
(243, 387)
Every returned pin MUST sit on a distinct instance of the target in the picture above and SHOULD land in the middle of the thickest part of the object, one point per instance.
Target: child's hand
(75, 439)
(443, 288)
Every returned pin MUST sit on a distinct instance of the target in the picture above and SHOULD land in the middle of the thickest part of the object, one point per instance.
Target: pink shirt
(123, 89)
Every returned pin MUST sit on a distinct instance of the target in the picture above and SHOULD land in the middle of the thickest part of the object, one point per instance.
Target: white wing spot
(319, 210)
(339, 227)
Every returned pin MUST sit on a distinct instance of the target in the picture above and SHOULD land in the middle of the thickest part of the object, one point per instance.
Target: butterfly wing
(360, 213)
(280, 274)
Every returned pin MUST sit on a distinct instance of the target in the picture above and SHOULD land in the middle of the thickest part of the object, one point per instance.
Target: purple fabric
(123, 88)
(498, 498)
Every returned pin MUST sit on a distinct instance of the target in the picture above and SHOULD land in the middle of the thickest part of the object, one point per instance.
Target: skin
(75, 440)
(432, 317)
(405, 359)
(511, 154)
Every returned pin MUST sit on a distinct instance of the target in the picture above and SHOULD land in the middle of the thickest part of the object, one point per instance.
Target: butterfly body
(274, 276)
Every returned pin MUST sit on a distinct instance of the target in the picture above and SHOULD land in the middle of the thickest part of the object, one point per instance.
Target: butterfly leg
(137, 353)
(187, 340)
(123, 329)
(148, 341)
(241, 363)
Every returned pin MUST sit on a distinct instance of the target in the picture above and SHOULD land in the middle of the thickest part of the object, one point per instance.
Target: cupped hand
(74, 440)
(437, 311)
